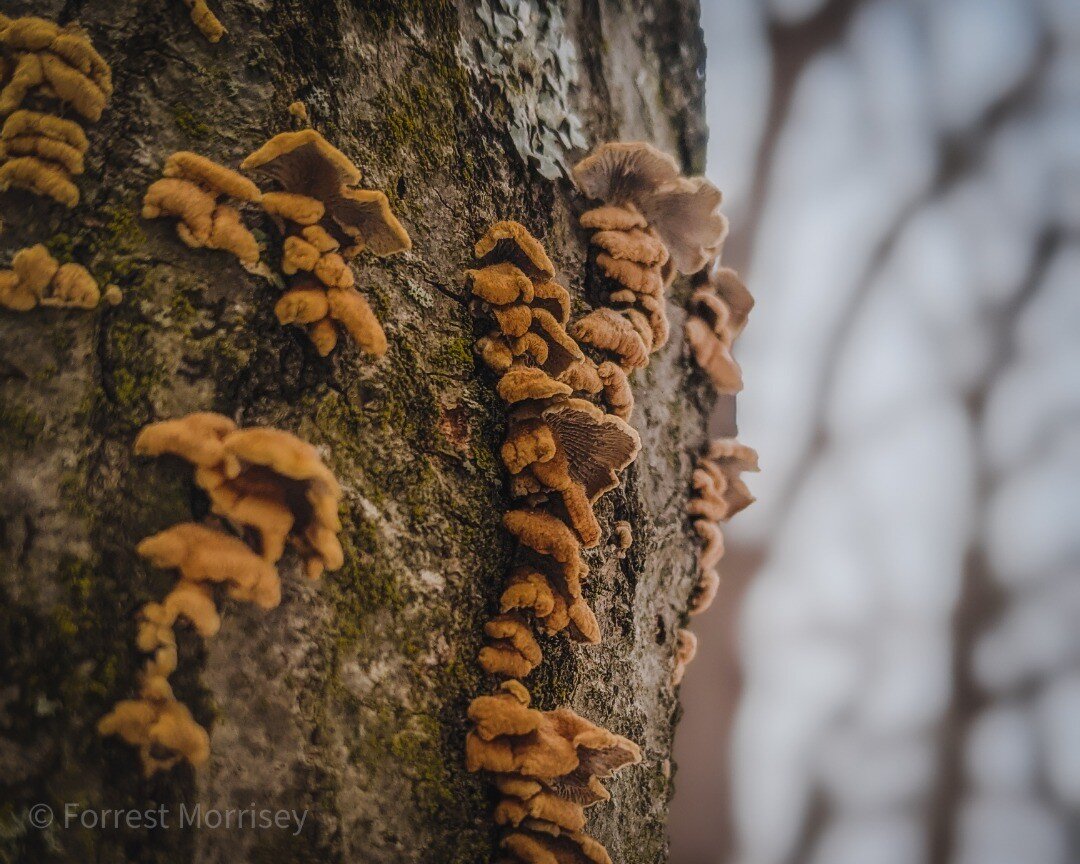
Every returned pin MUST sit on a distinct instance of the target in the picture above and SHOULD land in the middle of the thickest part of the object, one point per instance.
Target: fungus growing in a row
(652, 223)
(718, 312)
(548, 767)
(37, 279)
(325, 222)
(205, 20)
(719, 493)
(39, 152)
(562, 452)
(60, 61)
(190, 191)
(274, 489)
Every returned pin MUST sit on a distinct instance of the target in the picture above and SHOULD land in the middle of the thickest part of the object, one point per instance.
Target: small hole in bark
(661, 630)
(401, 187)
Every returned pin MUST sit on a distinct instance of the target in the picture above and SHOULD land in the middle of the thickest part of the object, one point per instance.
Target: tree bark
(349, 699)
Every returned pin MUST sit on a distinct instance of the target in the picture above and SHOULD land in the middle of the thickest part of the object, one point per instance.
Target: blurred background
(891, 674)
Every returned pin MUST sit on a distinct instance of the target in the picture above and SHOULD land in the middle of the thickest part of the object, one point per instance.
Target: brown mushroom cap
(529, 382)
(617, 172)
(304, 162)
(511, 242)
(597, 445)
(364, 216)
(686, 215)
(197, 438)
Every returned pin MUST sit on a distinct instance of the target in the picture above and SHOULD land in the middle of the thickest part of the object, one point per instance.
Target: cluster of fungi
(323, 219)
(268, 490)
(652, 225)
(562, 452)
(45, 70)
(274, 491)
(38, 279)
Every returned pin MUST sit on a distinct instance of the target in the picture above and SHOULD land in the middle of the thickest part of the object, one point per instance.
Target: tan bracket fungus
(325, 222)
(274, 489)
(42, 63)
(719, 493)
(38, 279)
(562, 451)
(548, 767)
(653, 223)
(719, 308)
(190, 191)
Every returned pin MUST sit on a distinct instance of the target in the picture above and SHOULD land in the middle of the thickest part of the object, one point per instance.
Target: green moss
(190, 123)
(20, 426)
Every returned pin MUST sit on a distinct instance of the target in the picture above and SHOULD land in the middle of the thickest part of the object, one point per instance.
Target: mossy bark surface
(349, 699)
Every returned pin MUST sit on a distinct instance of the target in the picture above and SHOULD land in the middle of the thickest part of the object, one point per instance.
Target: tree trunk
(349, 699)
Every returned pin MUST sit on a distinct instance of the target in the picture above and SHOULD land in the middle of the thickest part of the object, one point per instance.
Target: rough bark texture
(350, 698)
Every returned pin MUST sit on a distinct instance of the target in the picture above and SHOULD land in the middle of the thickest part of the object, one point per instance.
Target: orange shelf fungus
(39, 152)
(205, 20)
(190, 191)
(548, 767)
(562, 453)
(325, 222)
(37, 279)
(275, 490)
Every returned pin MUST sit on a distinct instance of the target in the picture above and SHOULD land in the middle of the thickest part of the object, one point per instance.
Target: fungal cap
(365, 216)
(513, 650)
(35, 268)
(197, 438)
(712, 354)
(33, 123)
(529, 382)
(617, 172)
(613, 217)
(352, 310)
(304, 162)
(685, 651)
(501, 284)
(206, 21)
(511, 242)
(637, 246)
(175, 196)
(606, 329)
(544, 534)
(685, 213)
(40, 177)
(210, 175)
(303, 305)
(73, 286)
(302, 209)
(705, 591)
(597, 445)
